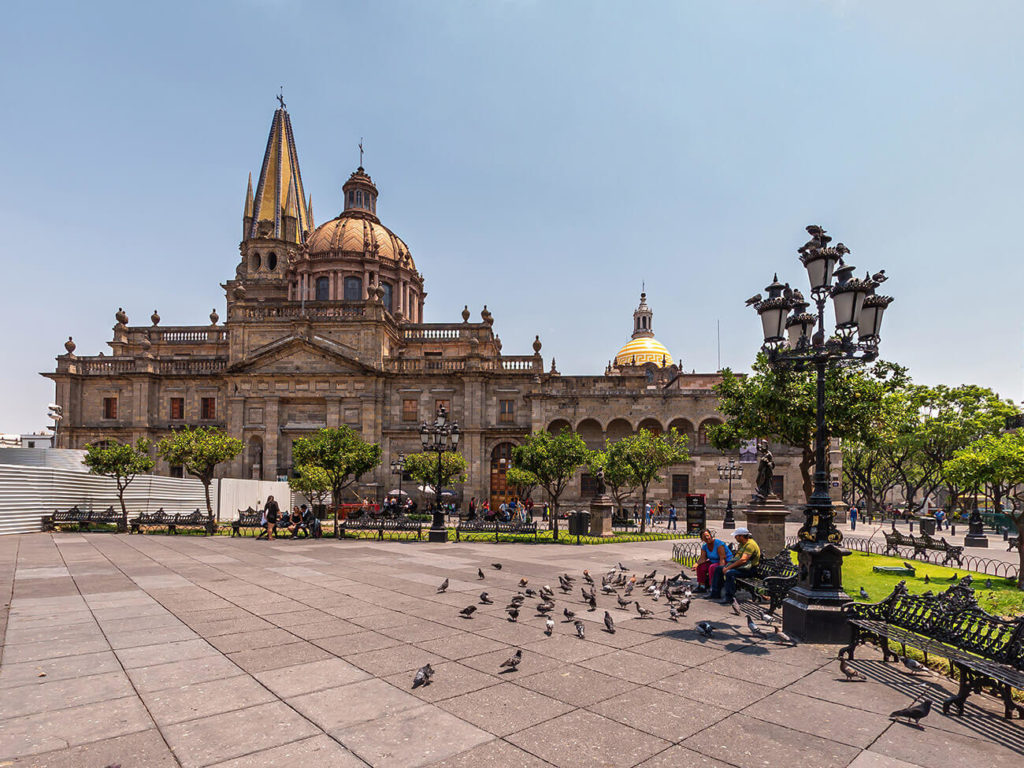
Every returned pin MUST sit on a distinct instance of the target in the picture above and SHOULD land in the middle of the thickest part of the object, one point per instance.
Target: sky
(543, 157)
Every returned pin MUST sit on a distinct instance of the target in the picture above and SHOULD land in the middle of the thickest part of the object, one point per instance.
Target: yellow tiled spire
(248, 199)
(278, 176)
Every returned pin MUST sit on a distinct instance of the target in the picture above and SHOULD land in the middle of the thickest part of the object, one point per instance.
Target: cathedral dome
(643, 350)
(359, 234)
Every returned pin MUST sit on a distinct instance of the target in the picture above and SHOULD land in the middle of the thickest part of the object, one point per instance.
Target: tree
(781, 404)
(617, 478)
(198, 450)
(553, 460)
(998, 462)
(313, 483)
(524, 482)
(341, 454)
(640, 458)
(422, 467)
(867, 473)
(121, 461)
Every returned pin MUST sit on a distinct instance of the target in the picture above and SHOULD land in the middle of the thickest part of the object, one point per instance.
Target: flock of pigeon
(619, 583)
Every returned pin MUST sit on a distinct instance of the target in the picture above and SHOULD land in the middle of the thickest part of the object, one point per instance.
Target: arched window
(323, 288)
(272, 261)
(353, 288)
(388, 297)
(254, 260)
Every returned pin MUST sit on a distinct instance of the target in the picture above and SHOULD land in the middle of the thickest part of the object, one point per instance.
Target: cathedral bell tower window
(353, 288)
(323, 289)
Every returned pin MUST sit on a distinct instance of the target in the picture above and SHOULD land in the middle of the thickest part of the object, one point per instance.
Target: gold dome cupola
(643, 348)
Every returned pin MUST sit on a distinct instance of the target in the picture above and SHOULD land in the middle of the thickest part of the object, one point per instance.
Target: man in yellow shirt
(748, 555)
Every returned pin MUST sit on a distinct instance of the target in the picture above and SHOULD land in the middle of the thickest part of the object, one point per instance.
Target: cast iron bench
(84, 520)
(72, 516)
(921, 543)
(172, 522)
(380, 524)
(249, 519)
(773, 577)
(495, 527)
(985, 650)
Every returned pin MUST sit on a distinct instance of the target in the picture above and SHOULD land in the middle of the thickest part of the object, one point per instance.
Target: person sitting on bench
(713, 555)
(746, 560)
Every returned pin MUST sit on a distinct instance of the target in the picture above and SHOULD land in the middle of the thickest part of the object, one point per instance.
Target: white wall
(235, 495)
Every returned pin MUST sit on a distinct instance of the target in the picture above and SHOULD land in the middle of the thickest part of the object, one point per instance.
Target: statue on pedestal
(599, 484)
(765, 472)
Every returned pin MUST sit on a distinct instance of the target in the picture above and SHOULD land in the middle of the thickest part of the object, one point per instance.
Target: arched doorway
(254, 459)
(501, 460)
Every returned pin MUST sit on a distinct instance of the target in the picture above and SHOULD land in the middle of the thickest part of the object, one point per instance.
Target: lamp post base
(729, 522)
(438, 533)
(813, 609)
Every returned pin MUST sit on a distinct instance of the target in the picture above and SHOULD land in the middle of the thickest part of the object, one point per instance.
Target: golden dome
(643, 350)
(359, 234)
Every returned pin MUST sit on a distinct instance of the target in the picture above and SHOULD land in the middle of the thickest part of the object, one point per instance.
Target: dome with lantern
(643, 348)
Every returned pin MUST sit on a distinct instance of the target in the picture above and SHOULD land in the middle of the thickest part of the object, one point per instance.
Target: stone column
(601, 516)
(272, 437)
(767, 523)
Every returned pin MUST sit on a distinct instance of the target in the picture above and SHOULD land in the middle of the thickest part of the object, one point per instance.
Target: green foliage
(121, 461)
(312, 482)
(198, 450)
(523, 481)
(340, 453)
(639, 458)
(553, 460)
(422, 467)
(617, 477)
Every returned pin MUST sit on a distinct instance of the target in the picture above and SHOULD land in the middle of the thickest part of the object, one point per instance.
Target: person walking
(271, 510)
(853, 518)
(672, 516)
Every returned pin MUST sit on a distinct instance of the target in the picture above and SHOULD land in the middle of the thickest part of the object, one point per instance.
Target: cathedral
(323, 326)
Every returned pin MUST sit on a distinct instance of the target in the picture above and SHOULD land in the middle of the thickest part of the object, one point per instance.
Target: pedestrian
(853, 518)
(672, 516)
(636, 513)
(271, 511)
(472, 508)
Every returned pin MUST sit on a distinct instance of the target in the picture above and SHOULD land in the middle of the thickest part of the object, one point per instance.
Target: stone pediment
(301, 354)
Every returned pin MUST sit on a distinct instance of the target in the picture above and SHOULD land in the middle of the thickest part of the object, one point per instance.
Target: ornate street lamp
(812, 609)
(730, 471)
(439, 437)
(398, 468)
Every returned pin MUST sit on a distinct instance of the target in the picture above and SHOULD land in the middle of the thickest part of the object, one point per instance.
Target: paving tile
(461, 646)
(411, 738)
(316, 752)
(567, 648)
(61, 694)
(581, 739)
(935, 745)
(73, 633)
(157, 636)
(144, 748)
(349, 704)
(287, 655)
(359, 642)
(176, 705)
(222, 737)
(491, 663)
(389, 661)
(450, 679)
(493, 754)
(287, 682)
(418, 631)
(327, 626)
(61, 668)
(22, 652)
(149, 655)
(504, 708)
(839, 723)
(247, 641)
(768, 744)
(679, 650)
(634, 667)
(659, 713)
(575, 685)
(681, 757)
(760, 670)
(718, 690)
(869, 759)
(70, 727)
(178, 673)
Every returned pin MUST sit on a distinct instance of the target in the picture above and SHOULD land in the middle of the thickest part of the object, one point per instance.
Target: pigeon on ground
(586, 595)
(913, 665)
(569, 615)
(523, 582)
(988, 583)
(468, 611)
(768, 618)
(518, 598)
(567, 578)
(851, 673)
(908, 566)
(592, 602)
(705, 629)
(914, 712)
(546, 592)
(926, 579)
(565, 587)
(579, 629)
(587, 578)
(954, 577)
(608, 590)
(423, 675)
(683, 607)
(782, 637)
(480, 573)
(622, 567)
(485, 599)
(863, 594)
(673, 613)
(513, 661)
(530, 593)
(644, 613)
(549, 626)
(735, 607)
(545, 607)
(629, 589)
(443, 587)
(623, 602)
(608, 623)
(496, 566)
(754, 629)
(513, 614)
(655, 595)
(651, 575)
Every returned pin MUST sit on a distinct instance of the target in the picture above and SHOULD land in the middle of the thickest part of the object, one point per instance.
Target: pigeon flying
(513, 662)
(914, 712)
(443, 587)
(423, 675)
(468, 611)
(608, 623)
(485, 599)
(579, 629)
(851, 673)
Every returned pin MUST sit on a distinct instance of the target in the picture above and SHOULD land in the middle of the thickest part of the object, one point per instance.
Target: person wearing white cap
(747, 557)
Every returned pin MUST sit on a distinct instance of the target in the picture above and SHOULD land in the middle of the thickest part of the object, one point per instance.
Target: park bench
(83, 519)
(379, 525)
(773, 577)
(248, 519)
(495, 527)
(983, 649)
(173, 522)
(920, 544)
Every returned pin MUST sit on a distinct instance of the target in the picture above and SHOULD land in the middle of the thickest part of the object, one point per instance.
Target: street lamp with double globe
(439, 437)
(398, 468)
(813, 608)
(730, 472)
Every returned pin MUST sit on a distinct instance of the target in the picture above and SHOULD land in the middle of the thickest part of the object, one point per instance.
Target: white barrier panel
(236, 494)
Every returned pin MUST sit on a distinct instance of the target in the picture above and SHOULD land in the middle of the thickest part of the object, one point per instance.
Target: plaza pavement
(163, 651)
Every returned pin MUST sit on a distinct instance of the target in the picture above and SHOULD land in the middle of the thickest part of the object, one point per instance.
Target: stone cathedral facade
(324, 326)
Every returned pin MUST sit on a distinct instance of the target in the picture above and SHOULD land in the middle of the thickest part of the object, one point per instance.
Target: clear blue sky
(543, 158)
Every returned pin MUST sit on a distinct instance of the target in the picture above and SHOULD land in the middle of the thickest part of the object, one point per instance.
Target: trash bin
(579, 523)
(927, 525)
(696, 513)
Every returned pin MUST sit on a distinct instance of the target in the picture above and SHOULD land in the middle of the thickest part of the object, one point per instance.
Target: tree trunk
(554, 517)
(124, 509)
(206, 490)
(643, 510)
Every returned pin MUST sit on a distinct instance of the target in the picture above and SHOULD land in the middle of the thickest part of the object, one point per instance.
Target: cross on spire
(280, 97)
(360, 151)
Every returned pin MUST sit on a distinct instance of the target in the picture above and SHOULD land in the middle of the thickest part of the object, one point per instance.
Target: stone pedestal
(813, 609)
(767, 523)
(976, 534)
(601, 508)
